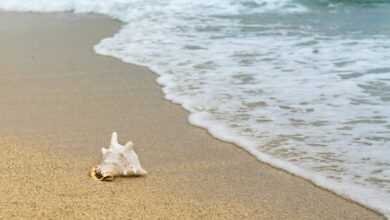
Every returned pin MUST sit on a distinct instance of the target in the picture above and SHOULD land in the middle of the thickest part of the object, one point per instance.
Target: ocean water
(303, 85)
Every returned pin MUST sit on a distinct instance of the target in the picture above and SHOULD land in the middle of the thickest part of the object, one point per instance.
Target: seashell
(118, 160)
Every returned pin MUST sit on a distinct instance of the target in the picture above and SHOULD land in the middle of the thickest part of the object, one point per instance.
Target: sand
(59, 103)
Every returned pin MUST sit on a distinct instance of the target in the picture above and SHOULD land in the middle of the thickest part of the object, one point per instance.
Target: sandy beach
(60, 102)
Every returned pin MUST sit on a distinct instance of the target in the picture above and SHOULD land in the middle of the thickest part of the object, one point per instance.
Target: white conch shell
(118, 160)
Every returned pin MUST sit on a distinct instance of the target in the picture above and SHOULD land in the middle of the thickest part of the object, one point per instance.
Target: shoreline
(59, 93)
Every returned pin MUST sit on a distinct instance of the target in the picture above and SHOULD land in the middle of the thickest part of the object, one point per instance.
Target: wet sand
(60, 103)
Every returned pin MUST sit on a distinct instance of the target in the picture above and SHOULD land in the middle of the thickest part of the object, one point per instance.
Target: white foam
(205, 83)
(304, 99)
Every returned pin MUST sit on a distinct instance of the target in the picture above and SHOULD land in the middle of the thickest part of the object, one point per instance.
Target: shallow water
(303, 85)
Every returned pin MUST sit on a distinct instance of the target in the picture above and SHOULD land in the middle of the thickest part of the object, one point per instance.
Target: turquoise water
(301, 84)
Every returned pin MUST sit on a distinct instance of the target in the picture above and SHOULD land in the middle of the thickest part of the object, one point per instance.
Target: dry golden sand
(59, 103)
(35, 186)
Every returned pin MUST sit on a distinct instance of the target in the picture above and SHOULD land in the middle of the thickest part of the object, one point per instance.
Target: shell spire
(114, 139)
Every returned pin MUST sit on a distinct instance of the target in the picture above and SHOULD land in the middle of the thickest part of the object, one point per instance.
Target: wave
(119, 9)
(344, 5)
